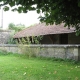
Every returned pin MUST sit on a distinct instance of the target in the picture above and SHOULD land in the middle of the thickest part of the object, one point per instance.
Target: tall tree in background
(11, 26)
(17, 27)
(55, 11)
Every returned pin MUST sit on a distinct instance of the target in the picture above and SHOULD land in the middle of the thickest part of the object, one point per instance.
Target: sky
(27, 19)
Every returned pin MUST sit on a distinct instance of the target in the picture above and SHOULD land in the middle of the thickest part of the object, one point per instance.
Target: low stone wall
(58, 51)
(9, 48)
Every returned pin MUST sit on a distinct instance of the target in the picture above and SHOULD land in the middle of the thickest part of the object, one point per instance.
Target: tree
(17, 27)
(55, 11)
(11, 25)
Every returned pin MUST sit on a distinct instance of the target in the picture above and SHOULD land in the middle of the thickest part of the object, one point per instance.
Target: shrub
(25, 46)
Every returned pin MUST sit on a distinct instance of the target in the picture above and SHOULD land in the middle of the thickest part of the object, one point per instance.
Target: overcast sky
(27, 19)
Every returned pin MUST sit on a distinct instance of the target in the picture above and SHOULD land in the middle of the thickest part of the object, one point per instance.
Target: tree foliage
(55, 11)
(17, 27)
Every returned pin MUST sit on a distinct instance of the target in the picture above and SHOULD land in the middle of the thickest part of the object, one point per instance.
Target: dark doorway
(63, 38)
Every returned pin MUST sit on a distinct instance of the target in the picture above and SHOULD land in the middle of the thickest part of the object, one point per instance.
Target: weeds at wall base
(24, 45)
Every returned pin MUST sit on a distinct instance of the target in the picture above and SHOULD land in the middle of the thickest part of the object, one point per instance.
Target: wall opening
(63, 38)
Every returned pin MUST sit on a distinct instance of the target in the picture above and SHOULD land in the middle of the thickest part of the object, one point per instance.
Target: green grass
(15, 67)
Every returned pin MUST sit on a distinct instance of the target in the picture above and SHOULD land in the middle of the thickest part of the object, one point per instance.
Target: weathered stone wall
(58, 51)
(5, 35)
(9, 48)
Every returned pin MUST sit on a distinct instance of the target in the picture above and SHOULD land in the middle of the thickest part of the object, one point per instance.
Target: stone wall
(9, 48)
(5, 35)
(58, 51)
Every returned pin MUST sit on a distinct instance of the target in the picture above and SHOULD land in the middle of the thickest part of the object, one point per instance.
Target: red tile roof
(43, 29)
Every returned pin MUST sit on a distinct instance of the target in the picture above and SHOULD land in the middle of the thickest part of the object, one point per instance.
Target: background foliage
(17, 27)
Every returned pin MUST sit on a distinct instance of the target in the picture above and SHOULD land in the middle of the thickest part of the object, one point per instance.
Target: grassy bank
(15, 67)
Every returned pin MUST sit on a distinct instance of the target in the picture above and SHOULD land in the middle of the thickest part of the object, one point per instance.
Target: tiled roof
(43, 29)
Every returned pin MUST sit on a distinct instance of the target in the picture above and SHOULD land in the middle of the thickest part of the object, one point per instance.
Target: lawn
(15, 67)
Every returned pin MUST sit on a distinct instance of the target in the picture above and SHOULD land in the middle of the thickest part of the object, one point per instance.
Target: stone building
(52, 34)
